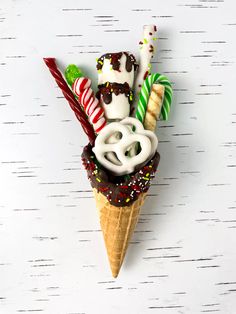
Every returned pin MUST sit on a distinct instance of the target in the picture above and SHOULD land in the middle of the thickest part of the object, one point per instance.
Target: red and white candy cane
(82, 88)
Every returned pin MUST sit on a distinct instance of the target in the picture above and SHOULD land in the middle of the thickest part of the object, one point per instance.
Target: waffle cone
(117, 224)
(154, 107)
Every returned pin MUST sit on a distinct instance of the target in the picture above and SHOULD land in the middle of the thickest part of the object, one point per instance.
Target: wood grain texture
(182, 256)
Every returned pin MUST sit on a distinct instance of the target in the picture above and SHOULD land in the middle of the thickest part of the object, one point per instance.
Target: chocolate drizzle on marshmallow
(106, 91)
(115, 61)
(115, 83)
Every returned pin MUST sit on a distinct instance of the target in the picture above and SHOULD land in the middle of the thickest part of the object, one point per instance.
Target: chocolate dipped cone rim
(119, 191)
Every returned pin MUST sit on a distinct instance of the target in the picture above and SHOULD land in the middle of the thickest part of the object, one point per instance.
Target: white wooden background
(182, 258)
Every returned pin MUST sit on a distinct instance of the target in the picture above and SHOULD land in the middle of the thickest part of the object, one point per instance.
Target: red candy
(82, 88)
(75, 106)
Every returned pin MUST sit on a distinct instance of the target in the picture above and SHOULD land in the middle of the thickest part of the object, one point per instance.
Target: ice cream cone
(118, 200)
(117, 224)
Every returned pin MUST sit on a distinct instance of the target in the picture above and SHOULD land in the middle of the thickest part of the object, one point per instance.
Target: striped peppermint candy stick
(145, 92)
(82, 88)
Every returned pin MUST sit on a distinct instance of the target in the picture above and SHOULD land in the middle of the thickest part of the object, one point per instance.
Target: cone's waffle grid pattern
(117, 224)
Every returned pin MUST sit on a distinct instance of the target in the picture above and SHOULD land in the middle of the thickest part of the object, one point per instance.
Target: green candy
(72, 72)
(145, 92)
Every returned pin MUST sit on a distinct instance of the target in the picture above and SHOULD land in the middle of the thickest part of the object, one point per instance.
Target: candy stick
(145, 92)
(154, 106)
(146, 53)
(82, 88)
(75, 106)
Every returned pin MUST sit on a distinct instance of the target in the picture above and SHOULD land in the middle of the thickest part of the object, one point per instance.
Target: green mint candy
(72, 72)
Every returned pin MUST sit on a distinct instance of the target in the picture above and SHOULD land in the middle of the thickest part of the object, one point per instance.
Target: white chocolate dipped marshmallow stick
(115, 82)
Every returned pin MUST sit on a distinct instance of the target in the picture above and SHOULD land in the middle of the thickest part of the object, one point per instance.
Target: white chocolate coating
(113, 155)
(134, 123)
(118, 108)
(146, 52)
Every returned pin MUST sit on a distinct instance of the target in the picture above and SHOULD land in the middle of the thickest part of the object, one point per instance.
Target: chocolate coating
(107, 89)
(119, 191)
(115, 61)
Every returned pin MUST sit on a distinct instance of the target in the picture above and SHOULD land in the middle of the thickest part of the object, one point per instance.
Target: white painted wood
(182, 256)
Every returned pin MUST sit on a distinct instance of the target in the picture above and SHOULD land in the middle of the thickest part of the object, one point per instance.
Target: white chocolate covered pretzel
(115, 156)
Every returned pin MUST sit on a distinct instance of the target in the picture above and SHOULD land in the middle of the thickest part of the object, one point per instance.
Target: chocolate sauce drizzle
(123, 190)
(106, 90)
(115, 61)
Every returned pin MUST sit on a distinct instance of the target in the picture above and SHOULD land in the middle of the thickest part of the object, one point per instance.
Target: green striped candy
(155, 78)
